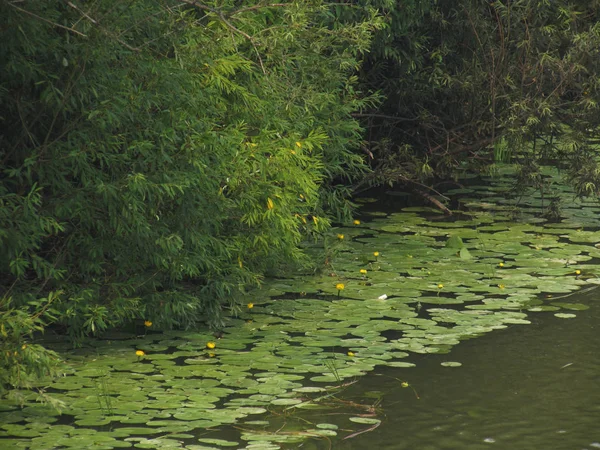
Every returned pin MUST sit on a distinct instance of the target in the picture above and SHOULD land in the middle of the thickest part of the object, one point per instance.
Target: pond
(419, 332)
(525, 387)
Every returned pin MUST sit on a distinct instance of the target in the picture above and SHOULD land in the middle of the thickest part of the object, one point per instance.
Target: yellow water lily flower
(147, 323)
(363, 271)
(250, 305)
(356, 222)
(440, 286)
(351, 354)
(501, 286)
(404, 384)
(340, 236)
(340, 286)
(501, 264)
(299, 144)
(578, 272)
(210, 345)
(140, 352)
(375, 254)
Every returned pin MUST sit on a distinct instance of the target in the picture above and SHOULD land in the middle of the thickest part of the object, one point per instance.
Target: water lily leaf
(465, 254)
(219, 442)
(286, 401)
(365, 420)
(571, 306)
(451, 364)
(454, 242)
(327, 426)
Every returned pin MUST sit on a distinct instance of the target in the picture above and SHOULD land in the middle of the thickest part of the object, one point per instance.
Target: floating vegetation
(404, 284)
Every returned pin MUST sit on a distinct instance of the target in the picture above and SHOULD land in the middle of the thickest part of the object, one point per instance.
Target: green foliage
(159, 158)
(23, 363)
(478, 82)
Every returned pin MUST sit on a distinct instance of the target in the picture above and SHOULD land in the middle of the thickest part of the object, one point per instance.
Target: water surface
(525, 387)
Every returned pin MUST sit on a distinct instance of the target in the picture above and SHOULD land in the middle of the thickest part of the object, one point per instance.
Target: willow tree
(473, 82)
(158, 158)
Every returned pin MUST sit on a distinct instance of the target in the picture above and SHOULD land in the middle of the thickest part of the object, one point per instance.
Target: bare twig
(72, 30)
(83, 13)
(366, 430)
(104, 30)
(220, 15)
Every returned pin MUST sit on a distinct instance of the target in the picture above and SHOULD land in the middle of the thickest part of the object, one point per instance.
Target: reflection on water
(525, 387)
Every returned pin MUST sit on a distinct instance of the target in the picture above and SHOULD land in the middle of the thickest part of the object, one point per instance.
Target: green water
(525, 387)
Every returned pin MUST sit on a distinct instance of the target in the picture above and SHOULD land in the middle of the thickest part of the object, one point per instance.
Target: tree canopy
(158, 158)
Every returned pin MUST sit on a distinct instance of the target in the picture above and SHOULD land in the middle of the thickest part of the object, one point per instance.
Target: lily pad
(451, 364)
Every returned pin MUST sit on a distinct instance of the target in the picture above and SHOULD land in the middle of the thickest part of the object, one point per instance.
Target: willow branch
(255, 7)
(229, 25)
(105, 31)
(220, 15)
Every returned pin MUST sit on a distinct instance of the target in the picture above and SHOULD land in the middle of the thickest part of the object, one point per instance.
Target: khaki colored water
(523, 388)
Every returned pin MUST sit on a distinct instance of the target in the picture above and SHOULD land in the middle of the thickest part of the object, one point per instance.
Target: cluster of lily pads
(399, 283)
